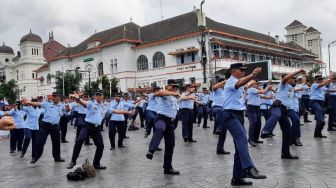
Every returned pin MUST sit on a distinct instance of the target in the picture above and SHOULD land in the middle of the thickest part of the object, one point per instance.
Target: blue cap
(238, 66)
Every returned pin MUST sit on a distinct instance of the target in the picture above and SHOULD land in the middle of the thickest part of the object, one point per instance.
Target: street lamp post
(202, 42)
(329, 52)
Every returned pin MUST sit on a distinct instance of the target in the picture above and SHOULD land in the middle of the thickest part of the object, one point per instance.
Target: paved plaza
(198, 163)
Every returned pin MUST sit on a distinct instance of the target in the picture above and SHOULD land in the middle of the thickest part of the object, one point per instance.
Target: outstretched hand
(7, 123)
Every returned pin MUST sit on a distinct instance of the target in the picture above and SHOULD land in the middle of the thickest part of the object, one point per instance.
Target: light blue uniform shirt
(127, 108)
(167, 106)
(188, 104)
(204, 98)
(294, 101)
(118, 106)
(317, 93)
(17, 116)
(81, 109)
(253, 97)
(32, 120)
(217, 97)
(233, 98)
(152, 103)
(306, 90)
(266, 103)
(299, 93)
(332, 87)
(74, 106)
(284, 94)
(95, 112)
(211, 96)
(53, 112)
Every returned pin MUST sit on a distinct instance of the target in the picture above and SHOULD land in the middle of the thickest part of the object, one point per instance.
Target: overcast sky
(74, 20)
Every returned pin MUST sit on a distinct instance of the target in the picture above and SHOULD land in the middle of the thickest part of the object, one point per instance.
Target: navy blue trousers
(254, 117)
(30, 135)
(295, 119)
(187, 117)
(164, 128)
(150, 118)
(279, 114)
(217, 112)
(113, 127)
(316, 106)
(332, 110)
(47, 129)
(16, 139)
(97, 140)
(203, 113)
(234, 122)
(64, 126)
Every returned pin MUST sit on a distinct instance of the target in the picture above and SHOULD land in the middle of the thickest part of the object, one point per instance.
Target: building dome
(6, 49)
(31, 37)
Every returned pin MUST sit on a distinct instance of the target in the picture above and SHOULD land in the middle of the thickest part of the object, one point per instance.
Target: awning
(178, 52)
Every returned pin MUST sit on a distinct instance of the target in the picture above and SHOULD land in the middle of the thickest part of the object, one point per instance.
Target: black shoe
(307, 121)
(65, 141)
(126, 137)
(88, 144)
(222, 152)
(121, 146)
(12, 151)
(259, 142)
(198, 125)
(99, 167)
(298, 143)
(158, 149)
(254, 174)
(240, 182)
(206, 127)
(185, 139)
(264, 135)
(171, 172)
(149, 155)
(192, 140)
(146, 135)
(289, 156)
(22, 155)
(253, 144)
(33, 161)
(112, 147)
(60, 160)
(320, 136)
(71, 165)
(331, 128)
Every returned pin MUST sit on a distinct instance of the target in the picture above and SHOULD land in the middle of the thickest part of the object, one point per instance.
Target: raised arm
(79, 100)
(326, 82)
(163, 93)
(290, 75)
(243, 81)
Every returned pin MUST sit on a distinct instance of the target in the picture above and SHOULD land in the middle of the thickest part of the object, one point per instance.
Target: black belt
(187, 109)
(91, 124)
(165, 118)
(49, 124)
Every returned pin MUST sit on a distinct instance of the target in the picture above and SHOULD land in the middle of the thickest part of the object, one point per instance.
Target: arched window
(100, 69)
(142, 62)
(77, 71)
(49, 79)
(158, 60)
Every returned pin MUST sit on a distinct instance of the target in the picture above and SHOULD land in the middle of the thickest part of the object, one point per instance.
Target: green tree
(105, 86)
(71, 82)
(9, 91)
(316, 70)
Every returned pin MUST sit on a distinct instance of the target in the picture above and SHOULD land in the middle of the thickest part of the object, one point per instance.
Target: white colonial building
(142, 55)
(21, 67)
